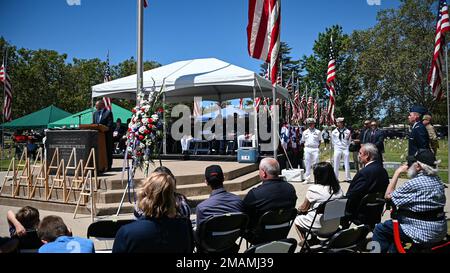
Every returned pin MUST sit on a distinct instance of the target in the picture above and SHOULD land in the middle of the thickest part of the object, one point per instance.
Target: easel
(11, 168)
(87, 174)
(38, 165)
(26, 174)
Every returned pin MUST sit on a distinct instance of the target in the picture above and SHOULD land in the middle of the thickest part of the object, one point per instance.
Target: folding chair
(332, 212)
(370, 210)
(347, 240)
(106, 231)
(272, 226)
(281, 246)
(218, 234)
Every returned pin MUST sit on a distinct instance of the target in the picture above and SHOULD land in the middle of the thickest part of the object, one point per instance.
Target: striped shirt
(422, 193)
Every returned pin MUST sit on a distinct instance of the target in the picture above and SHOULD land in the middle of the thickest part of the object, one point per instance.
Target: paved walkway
(80, 224)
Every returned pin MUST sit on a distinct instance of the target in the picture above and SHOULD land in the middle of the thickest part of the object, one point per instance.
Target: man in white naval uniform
(311, 139)
(284, 135)
(341, 138)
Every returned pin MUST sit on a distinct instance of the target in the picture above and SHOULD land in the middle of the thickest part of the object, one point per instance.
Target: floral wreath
(145, 132)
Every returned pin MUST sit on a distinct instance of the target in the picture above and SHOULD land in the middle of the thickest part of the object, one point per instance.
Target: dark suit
(364, 135)
(418, 139)
(270, 195)
(105, 117)
(373, 178)
(377, 138)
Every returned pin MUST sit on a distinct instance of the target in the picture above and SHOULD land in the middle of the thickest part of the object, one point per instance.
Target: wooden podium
(102, 159)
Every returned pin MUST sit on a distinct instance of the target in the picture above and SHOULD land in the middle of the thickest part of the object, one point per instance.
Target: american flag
(289, 84)
(263, 32)
(316, 109)
(257, 103)
(107, 78)
(279, 80)
(145, 3)
(308, 109)
(241, 103)
(5, 79)
(331, 77)
(436, 73)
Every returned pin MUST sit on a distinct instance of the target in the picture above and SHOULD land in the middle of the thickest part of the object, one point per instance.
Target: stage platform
(239, 178)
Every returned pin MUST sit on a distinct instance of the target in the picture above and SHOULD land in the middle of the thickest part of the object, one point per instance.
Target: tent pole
(165, 127)
(274, 123)
(140, 45)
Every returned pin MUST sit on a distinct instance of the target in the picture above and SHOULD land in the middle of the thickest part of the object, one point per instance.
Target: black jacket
(418, 139)
(371, 179)
(106, 118)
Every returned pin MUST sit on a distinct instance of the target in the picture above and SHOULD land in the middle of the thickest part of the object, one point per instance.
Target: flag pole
(5, 56)
(448, 110)
(140, 44)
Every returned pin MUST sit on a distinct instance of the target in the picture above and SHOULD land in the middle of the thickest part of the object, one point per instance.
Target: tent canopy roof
(209, 78)
(38, 119)
(86, 117)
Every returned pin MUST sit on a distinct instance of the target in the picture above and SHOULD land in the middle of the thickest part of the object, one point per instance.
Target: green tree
(394, 59)
(289, 65)
(349, 100)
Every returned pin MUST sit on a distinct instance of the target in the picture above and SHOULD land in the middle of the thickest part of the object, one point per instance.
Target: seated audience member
(220, 201)
(119, 134)
(23, 226)
(181, 201)
(273, 193)
(326, 188)
(57, 238)
(8, 245)
(372, 178)
(419, 202)
(159, 230)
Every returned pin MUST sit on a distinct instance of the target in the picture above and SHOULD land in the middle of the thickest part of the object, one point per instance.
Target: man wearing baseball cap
(220, 201)
(418, 138)
(311, 139)
(420, 204)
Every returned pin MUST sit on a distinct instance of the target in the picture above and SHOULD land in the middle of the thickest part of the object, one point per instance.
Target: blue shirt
(422, 193)
(67, 244)
(220, 202)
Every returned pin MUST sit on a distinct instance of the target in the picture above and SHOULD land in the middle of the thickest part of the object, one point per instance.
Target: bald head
(269, 168)
(99, 105)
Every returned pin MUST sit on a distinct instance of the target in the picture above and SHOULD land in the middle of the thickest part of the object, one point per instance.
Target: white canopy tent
(211, 79)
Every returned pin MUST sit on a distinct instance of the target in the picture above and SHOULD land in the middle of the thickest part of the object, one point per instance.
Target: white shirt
(311, 138)
(316, 195)
(343, 143)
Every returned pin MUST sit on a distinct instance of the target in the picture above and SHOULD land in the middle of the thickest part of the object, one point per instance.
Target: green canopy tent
(37, 120)
(85, 117)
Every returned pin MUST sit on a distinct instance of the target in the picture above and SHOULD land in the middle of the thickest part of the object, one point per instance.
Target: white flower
(145, 121)
(142, 146)
(155, 117)
(142, 129)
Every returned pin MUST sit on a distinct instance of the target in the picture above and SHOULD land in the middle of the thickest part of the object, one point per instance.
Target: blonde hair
(156, 196)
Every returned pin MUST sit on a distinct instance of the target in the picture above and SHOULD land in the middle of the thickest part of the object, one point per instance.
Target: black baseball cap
(424, 156)
(214, 173)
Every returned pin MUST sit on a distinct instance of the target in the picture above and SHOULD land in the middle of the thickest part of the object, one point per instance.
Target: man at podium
(105, 117)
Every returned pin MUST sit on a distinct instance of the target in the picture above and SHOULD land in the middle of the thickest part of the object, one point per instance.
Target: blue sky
(174, 29)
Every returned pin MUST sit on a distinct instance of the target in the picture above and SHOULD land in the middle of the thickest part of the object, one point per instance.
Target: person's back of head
(214, 176)
(156, 196)
(52, 227)
(28, 217)
(269, 168)
(324, 175)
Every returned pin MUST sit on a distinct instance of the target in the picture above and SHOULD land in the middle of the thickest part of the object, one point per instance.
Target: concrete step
(111, 208)
(114, 184)
(199, 189)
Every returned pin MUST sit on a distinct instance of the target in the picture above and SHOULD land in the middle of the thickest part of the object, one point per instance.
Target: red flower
(141, 137)
(134, 110)
(150, 120)
(147, 132)
(160, 110)
(129, 129)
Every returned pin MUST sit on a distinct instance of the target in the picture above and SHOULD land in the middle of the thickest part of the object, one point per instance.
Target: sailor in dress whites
(341, 138)
(311, 139)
